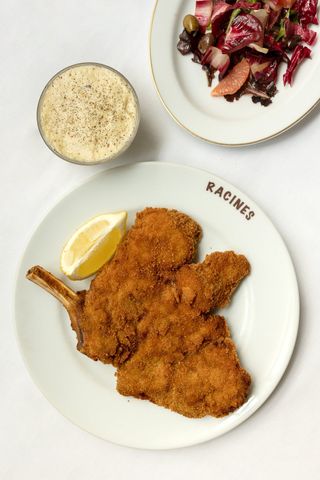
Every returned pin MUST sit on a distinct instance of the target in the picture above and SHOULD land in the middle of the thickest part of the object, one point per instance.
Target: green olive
(191, 23)
(205, 42)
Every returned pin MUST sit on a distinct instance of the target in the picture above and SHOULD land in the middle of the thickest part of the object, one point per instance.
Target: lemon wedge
(92, 245)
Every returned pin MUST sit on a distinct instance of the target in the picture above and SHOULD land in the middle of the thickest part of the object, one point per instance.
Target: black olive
(185, 36)
(184, 47)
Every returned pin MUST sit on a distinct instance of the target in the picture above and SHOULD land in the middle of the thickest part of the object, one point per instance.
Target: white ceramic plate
(182, 87)
(263, 315)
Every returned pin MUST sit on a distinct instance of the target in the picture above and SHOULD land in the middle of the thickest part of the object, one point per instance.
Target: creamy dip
(88, 113)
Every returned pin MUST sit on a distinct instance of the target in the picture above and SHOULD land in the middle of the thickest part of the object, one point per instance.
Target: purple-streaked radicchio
(273, 5)
(307, 11)
(219, 13)
(203, 13)
(245, 29)
(307, 35)
(221, 9)
(247, 5)
(274, 46)
(218, 60)
(263, 67)
(264, 73)
(299, 54)
(261, 15)
(273, 18)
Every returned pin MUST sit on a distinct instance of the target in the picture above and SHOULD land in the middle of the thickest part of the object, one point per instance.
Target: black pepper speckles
(88, 113)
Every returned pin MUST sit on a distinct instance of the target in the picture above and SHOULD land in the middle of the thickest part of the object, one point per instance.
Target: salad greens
(260, 34)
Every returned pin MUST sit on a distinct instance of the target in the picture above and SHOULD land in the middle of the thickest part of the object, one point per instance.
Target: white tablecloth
(281, 441)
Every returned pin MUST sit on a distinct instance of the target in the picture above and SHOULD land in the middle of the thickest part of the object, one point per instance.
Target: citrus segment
(234, 80)
(92, 245)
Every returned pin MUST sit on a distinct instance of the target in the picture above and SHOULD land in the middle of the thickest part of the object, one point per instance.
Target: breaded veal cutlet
(150, 312)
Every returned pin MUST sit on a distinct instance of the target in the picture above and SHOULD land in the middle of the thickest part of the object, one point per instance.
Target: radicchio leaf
(307, 35)
(218, 14)
(257, 93)
(203, 13)
(245, 29)
(258, 48)
(221, 40)
(277, 47)
(279, 4)
(299, 54)
(258, 68)
(270, 73)
(307, 11)
(218, 60)
(273, 5)
(261, 15)
(233, 15)
(273, 18)
(246, 5)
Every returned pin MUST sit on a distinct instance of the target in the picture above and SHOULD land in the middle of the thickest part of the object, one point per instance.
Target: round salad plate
(182, 87)
(263, 315)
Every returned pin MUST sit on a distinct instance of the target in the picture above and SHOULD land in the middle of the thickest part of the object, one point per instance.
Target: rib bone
(72, 301)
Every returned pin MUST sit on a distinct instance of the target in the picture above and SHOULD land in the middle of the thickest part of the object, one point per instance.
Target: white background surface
(282, 439)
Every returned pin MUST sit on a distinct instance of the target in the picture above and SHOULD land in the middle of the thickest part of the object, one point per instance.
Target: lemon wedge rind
(92, 245)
